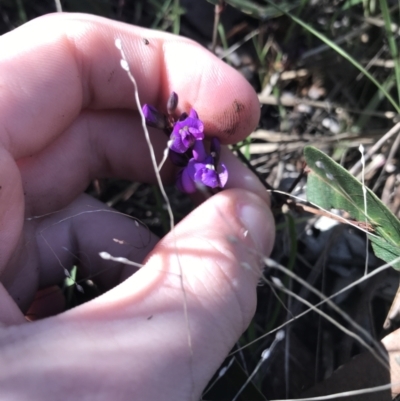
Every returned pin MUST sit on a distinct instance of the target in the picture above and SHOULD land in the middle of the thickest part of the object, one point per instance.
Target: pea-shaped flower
(187, 148)
(186, 132)
(203, 169)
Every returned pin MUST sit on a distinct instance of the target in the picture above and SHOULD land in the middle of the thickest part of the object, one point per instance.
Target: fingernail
(257, 220)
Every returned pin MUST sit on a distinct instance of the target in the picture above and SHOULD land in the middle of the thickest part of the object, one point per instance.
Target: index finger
(57, 65)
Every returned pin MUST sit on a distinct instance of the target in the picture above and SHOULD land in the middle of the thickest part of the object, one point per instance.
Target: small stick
(217, 16)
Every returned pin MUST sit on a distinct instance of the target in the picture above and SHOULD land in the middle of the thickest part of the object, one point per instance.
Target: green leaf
(392, 42)
(329, 185)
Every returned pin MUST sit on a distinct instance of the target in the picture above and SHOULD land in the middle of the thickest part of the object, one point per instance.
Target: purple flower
(203, 169)
(185, 178)
(186, 132)
(187, 148)
(153, 117)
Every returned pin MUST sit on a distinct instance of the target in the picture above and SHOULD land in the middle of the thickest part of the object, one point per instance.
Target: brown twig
(217, 16)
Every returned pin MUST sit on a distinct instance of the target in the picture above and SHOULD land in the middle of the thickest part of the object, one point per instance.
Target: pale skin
(67, 116)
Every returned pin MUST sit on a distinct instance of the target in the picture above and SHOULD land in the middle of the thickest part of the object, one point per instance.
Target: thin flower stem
(125, 66)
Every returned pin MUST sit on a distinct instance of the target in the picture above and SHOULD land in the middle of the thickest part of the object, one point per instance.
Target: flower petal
(199, 151)
(222, 175)
(207, 177)
(193, 114)
(178, 145)
(185, 180)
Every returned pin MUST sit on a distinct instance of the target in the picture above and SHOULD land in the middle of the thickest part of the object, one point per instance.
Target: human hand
(66, 117)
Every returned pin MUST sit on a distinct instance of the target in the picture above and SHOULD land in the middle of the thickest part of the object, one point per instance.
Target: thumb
(201, 264)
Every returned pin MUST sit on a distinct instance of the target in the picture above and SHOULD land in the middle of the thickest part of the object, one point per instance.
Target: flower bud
(172, 103)
(153, 117)
(215, 149)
